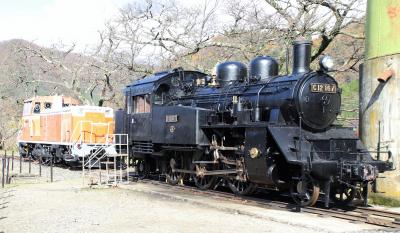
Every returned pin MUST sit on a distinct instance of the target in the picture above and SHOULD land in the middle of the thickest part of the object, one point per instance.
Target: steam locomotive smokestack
(301, 56)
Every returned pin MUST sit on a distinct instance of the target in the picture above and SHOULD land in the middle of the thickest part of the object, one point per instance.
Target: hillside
(27, 69)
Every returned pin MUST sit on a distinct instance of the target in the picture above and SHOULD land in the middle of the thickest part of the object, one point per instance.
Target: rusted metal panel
(382, 28)
(380, 102)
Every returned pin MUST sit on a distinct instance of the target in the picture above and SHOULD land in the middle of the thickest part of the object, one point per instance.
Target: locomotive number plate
(323, 87)
(171, 118)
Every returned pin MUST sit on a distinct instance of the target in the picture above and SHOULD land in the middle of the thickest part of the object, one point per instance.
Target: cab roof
(147, 84)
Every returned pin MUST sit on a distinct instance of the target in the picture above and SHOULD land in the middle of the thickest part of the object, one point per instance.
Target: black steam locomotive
(248, 130)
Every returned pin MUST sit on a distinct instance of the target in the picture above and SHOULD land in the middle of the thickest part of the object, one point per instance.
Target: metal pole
(99, 172)
(378, 156)
(30, 161)
(83, 170)
(5, 167)
(40, 165)
(107, 171)
(51, 169)
(12, 161)
(120, 168)
(3, 163)
(20, 163)
(8, 170)
(127, 158)
(115, 170)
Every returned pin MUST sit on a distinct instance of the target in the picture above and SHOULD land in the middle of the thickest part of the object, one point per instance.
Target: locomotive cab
(150, 96)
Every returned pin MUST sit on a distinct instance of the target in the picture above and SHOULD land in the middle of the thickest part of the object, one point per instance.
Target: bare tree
(171, 33)
(91, 76)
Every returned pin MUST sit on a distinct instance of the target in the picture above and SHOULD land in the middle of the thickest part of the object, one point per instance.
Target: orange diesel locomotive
(59, 127)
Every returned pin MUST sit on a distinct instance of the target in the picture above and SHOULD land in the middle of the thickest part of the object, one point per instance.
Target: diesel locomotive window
(141, 104)
(27, 108)
(36, 109)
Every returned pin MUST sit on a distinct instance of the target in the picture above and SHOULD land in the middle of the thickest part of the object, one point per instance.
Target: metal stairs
(108, 164)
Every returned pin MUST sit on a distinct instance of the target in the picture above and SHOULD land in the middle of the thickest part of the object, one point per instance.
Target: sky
(48, 22)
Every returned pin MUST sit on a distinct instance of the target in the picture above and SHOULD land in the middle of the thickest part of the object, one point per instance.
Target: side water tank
(231, 71)
(263, 67)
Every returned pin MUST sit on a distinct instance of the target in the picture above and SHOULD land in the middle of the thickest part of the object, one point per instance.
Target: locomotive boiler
(249, 128)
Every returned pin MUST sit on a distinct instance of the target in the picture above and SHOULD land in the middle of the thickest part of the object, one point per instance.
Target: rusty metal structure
(380, 88)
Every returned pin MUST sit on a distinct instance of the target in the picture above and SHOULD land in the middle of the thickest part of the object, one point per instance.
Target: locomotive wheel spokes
(240, 187)
(342, 194)
(305, 192)
(205, 182)
(172, 177)
(201, 180)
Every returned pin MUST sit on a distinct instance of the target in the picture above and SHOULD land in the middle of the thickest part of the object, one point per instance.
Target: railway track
(367, 215)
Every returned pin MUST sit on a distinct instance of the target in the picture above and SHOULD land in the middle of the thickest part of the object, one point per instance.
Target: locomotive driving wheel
(172, 177)
(241, 187)
(305, 191)
(239, 184)
(342, 194)
(203, 181)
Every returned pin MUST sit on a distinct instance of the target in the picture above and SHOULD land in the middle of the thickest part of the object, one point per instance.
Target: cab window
(161, 94)
(128, 104)
(141, 104)
(36, 108)
(27, 108)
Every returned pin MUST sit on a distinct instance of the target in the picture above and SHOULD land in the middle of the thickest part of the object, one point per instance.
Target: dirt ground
(36, 205)
(64, 207)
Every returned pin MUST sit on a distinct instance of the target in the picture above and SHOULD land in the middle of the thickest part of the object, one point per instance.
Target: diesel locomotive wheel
(305, 192)
(241, 187)
(343, 194)
(173, 178)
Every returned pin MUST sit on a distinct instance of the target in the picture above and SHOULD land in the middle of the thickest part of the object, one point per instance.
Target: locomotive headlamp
(326, 63)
